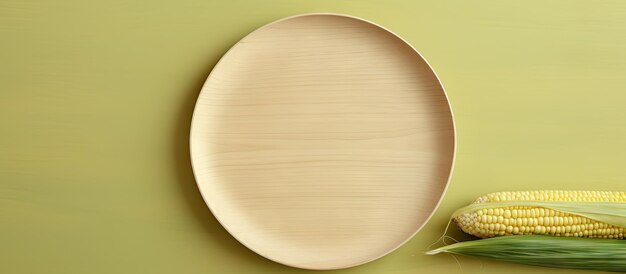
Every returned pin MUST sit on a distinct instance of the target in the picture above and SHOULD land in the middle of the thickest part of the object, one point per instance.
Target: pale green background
(96, 100)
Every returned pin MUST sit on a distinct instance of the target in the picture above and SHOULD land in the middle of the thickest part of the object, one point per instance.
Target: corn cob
(525, 220)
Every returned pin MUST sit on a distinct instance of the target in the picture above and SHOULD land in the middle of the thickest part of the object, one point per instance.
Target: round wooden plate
(322, 141)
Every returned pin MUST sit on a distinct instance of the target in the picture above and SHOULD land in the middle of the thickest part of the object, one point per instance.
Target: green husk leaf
(549, 251)
(613, 213)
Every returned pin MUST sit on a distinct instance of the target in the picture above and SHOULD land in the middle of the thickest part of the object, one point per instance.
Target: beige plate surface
(322, 141)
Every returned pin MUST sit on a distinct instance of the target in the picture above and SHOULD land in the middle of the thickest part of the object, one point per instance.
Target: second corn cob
(494, 221)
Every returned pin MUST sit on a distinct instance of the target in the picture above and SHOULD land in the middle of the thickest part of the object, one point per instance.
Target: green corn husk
(550, 251)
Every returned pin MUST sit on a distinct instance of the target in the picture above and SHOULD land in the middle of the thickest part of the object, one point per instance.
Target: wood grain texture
(322, 141)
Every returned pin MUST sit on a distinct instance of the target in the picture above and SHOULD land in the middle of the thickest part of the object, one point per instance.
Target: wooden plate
(322, 141)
